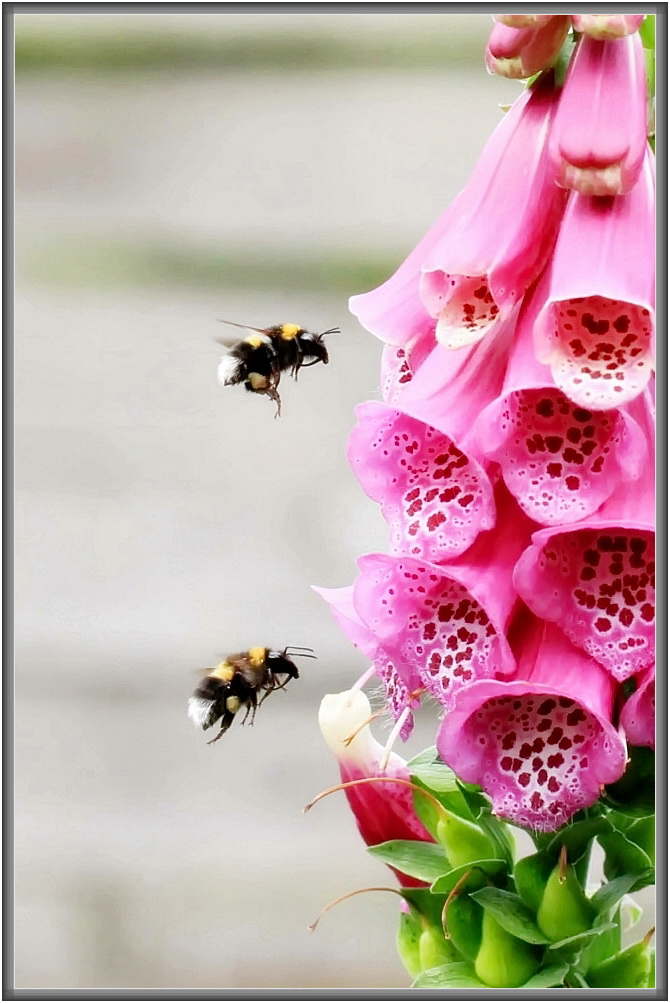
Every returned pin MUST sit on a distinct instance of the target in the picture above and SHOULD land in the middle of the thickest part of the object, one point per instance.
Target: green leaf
(464, 921)
(608, 895)
(426, 903)
(622, 856)
(605, 946)
(580, 940)
(635, 792)
(511, 913)
(459, 975)
(576, 838)
(648, 31)
(547, 978)
(497, 830)
(419, 859)
(530, 877)
(480, 869)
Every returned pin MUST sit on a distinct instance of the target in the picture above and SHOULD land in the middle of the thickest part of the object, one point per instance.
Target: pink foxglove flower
(599, 136)
(543, 744)
(486, 248)
(439, 626)
(400, 364)
(607, 25)
(417, 457)
(596, 329)
(382, 811)
(560, 461)
(523, 20)
(638, 714)
(596, 580)
(502, 226)
(522, 52)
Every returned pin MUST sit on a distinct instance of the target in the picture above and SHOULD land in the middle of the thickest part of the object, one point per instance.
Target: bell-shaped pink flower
(417, 457)
(398, 690)
(501, 229)
(542, 744)
(485, 249)
(522, 52)
(400, 364)
(383, 811)
(561, 462)
(596, 579)
(440, 626)
(607, 25)
(523, 20)
(599, 137)
(596, 329)
(638, 714)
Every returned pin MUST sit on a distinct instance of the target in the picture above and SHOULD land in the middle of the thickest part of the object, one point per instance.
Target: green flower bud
(407, 942)
(503, 961)
(464, 923)
(629, 969)
(463, 841)
(435, 950)
(564, 910)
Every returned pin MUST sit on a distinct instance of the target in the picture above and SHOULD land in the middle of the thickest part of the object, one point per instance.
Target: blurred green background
(172, 169)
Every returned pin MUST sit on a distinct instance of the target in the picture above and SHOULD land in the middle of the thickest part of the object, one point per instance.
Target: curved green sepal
(511, 913)
(419, 859)
(630, 969)
(407, 942)
(480, 869)
(456, 976)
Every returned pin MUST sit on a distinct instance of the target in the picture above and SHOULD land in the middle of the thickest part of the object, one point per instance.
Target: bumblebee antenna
(299, 652)
(331, 330)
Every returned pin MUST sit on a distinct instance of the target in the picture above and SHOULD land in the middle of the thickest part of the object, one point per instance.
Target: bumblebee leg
(226, 722)
(271, 392)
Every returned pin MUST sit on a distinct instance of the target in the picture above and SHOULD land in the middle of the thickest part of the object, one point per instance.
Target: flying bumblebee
(238, 681)
(259, 360)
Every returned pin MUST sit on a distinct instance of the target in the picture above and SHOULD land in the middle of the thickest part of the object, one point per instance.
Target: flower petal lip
(596, 329)
(501, 229)
(607, 26)
(599, 136)
(382, 811)
(542, 744)
(418, 458)
(596, 580)
(560, 462)
(523, 20)
(400, 364)
(638, 714)
(522, 52)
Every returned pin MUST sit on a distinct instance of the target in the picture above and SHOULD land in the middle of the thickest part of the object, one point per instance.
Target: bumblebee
(238, 681)
(259, 360)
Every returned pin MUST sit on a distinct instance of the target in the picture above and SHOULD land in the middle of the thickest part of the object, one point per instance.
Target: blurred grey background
(172, 169)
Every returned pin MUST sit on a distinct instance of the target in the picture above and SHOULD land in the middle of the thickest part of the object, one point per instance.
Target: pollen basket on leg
(538, 756)
(604, 350)
(442, 637)
(558, 460)
(435, 498)
(602, 583)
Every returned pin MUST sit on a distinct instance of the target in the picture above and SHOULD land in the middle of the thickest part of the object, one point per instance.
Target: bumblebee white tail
(229, 370)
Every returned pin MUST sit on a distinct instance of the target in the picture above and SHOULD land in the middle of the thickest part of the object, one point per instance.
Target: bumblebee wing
(243, 327)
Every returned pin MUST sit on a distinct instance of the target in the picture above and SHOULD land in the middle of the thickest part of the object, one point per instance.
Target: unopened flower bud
(463, 841)
(435, 949)
(407, 940)
(521, 52)
(503, 961)
(629, 969)
(564, 910)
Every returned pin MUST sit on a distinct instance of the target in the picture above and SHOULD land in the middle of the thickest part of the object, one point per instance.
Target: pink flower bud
(599, 136)
(607, 25)
(596, 329)
(638, 714)
(522, 52)
(541, 745)
(561, 462)
(383, 811)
